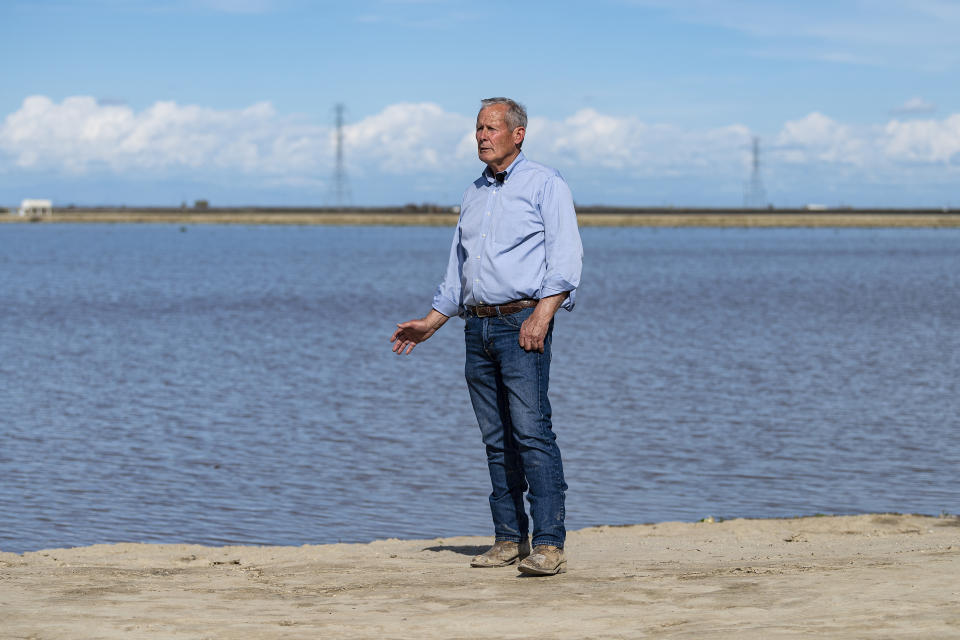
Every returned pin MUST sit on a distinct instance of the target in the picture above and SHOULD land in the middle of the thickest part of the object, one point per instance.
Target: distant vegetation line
(436, 209)
(431, 215)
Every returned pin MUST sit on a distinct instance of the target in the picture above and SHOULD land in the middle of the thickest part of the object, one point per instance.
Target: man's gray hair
(516, 115)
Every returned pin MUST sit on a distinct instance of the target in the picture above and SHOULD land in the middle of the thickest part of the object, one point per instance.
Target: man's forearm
(435, 319)
(547, 307)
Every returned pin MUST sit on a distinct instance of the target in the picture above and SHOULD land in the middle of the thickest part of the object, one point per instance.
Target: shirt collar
(491, 178)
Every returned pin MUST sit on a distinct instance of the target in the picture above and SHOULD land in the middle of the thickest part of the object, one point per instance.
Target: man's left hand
(534, 329)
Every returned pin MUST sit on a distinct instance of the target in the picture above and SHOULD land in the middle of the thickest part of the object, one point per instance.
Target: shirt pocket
(516, 226)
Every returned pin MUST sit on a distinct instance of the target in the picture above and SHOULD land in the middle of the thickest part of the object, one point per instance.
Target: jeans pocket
(516, 319)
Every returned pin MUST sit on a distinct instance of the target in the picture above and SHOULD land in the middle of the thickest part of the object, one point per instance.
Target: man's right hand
(411, 333)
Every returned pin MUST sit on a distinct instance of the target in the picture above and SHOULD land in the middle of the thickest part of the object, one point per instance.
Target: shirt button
(483, 235)
(488, 213)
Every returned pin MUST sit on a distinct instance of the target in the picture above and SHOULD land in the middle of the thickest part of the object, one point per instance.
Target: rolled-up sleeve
(447, 298)
(564, 251)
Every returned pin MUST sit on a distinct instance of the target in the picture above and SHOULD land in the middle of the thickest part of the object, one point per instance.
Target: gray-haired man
(514, 261)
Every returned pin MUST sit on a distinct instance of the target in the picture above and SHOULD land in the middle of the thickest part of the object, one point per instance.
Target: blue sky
(637, 102)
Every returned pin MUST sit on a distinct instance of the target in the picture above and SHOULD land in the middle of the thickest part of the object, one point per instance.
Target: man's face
(496, 141)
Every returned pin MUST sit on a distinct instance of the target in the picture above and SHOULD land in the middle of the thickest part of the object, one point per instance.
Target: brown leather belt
(489, 310)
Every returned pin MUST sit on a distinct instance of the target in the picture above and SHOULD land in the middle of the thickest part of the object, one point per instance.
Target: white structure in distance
(35, 208)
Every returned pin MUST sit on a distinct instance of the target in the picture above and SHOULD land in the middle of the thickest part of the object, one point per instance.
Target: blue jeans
(508, 389)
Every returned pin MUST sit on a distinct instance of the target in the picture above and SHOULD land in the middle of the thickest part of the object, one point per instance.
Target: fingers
(532, 335)
(399, 331)
(531, 343)
(402, 342)
(399, 347)
(408, 334)
(399, 341)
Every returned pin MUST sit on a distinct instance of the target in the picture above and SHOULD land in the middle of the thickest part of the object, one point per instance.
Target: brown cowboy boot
(502, 554)
(546, 560)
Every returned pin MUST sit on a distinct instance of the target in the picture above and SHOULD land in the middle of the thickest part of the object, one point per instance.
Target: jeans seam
(555, 467)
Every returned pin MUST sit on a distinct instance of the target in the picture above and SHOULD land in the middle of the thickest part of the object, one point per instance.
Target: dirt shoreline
(719, 219)
(867, 576)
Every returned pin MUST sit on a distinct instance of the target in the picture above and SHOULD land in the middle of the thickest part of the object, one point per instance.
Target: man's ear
(518, 135)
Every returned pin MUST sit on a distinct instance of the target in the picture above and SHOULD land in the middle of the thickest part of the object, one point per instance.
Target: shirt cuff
(446, 307)
(568, 304)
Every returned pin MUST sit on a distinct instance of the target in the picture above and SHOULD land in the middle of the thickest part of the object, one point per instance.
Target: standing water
(236, 385)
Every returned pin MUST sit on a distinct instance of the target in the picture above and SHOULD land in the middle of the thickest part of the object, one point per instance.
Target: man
(515, 259)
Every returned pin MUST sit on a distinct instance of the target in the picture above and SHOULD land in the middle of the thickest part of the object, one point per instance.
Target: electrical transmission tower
(340, 188)
(754, 196)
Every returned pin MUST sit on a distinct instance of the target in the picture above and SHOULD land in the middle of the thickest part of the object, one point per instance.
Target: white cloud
(880, 149)
(422, 144)
(915, 105)
(591, 139)
(408, 137)
(80, 135)
(817, 138)
(923, 141)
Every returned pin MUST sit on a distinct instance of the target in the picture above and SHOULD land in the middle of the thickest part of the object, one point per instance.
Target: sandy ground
(871, 576)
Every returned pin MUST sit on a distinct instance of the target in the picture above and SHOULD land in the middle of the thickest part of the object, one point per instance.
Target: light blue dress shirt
(515, 239)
